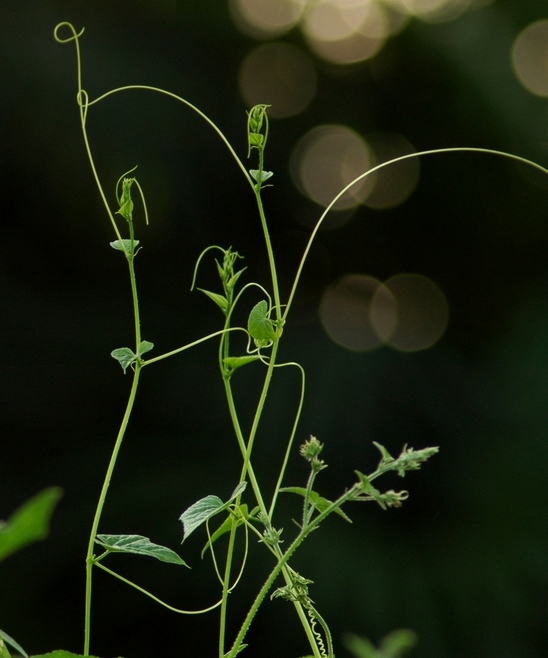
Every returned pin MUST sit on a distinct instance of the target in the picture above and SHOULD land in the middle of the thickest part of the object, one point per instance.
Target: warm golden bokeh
(408, 312)
(281, 75)
(530, 58)
(326, 160)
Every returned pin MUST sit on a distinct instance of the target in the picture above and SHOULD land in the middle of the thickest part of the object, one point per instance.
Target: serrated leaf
(235, 362)
(124, 356)
(61, 654)
(144, 347)
(220, 300)
(259, 325)
(204, 509)
(317, 501)
(30, 523)
(123, 245)
(138, 545)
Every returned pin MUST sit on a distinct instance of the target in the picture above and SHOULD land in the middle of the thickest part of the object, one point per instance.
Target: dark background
(465, 561)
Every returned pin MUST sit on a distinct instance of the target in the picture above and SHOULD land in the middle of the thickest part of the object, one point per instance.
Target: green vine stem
(257, 118)
(99, 509)
(455, 149)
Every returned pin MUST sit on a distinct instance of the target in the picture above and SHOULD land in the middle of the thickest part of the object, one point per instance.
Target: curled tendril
(75, 35)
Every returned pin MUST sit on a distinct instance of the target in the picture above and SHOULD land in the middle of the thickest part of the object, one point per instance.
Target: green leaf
(259, 325)
(317, 501)
(235, 362)
(234, 278)
(204, 509)
(241, 514)
(221, 530)
(394, 645)
(124, 356)
(199, 512)
(240, 488)
(9, 640)
(144, 347)
(368, 488)
(123, 245)
(30, 523)
(386, 456)
(398, 642)
(4, 653)
(263, 175)
(359, 647)
(61, 654)
(138, 545)
(218, 299)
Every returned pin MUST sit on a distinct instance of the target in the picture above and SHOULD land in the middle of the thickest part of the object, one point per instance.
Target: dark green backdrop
(465, 562)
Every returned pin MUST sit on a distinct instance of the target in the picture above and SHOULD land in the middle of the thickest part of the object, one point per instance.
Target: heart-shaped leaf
(259, 324)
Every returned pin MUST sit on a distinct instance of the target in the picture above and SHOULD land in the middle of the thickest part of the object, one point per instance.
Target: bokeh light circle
(530, 58)
(395, 182)
(346, 31)
(423, 312)
(266, 18)
(346, 312)
(281, 75)
(327, 159)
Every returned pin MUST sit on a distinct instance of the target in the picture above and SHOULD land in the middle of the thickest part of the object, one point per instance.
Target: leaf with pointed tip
(138, 545)
(30, 523)
(204, 509)
(386, 456)
(124, 356)
(5, 638)
(234, 278)
(235, 362)
(317, 501)
(199, 513)
(259, 324)
(368, 488)
(218, 299)
(4, 653)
